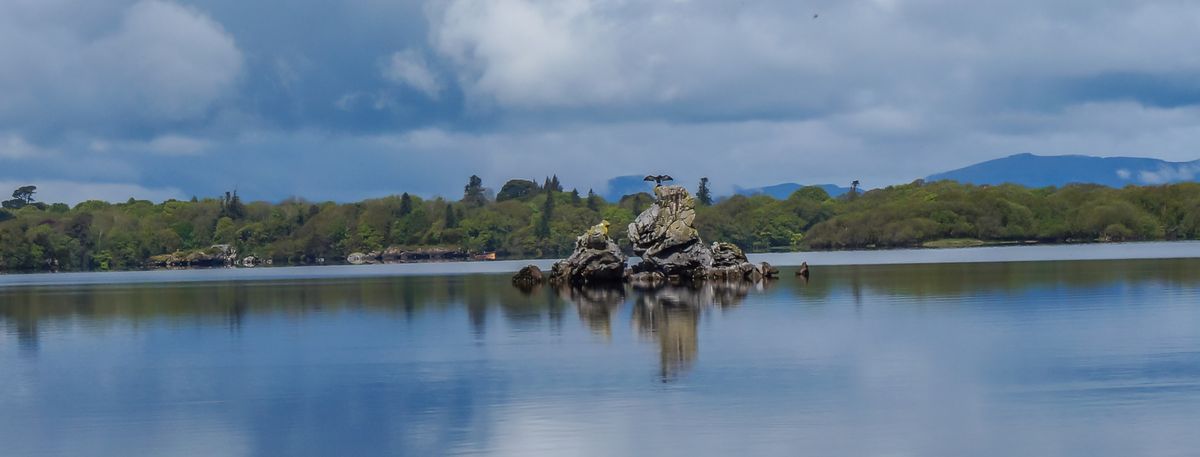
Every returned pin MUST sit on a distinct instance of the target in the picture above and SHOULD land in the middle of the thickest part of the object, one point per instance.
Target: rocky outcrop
(597, 259)
(358, 258)
(400, 254)
(219, 255)
(666, 239)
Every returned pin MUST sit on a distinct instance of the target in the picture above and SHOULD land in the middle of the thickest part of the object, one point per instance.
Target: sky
(355, 99)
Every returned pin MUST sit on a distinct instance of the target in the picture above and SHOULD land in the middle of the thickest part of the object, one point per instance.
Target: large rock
(666, 239)
(597, 259)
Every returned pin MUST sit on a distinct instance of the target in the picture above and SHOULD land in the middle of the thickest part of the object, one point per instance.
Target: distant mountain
(621, 186)
(625, 185)
(1041, 171)
(1024, 169)
(785, 190)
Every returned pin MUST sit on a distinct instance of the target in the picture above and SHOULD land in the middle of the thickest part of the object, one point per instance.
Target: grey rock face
(666, 239)
(596, 259)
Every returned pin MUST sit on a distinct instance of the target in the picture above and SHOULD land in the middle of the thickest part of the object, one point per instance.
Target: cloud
(533, 53)
(375, 97)
(172, 144)
(409, 67)
(14, 146)
(141, 64)
(1169, 174)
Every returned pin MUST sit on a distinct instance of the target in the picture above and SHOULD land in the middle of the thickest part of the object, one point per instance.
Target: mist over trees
(527, 220)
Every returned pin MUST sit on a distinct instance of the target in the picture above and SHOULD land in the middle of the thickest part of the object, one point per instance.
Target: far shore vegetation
(525, 219)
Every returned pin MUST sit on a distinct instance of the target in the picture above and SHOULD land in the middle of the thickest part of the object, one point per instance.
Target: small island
(664, 236)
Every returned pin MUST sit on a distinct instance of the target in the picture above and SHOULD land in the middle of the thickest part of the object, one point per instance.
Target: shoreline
(935, 245)
(1145, 250)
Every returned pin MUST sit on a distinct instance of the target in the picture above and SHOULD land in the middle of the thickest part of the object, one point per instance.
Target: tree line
(526, 219)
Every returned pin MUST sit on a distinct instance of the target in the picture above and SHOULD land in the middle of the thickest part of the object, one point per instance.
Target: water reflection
(665, 314)
(671, 319)
(595, 306)
(948, 359)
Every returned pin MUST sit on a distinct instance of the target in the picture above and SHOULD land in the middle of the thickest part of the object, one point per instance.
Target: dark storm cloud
(368, 97)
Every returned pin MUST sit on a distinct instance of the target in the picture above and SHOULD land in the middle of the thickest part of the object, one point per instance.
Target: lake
(1089, 350)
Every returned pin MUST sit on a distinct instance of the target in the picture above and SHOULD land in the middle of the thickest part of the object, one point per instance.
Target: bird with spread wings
(658, 179)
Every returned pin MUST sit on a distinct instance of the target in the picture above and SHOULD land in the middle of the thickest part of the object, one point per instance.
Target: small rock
(768, 271)
(529, 275)
(356, 258)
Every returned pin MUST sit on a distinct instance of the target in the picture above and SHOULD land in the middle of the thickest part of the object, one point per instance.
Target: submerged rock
(647, 279)
(666, 239)
(528, 277)
(596, 259)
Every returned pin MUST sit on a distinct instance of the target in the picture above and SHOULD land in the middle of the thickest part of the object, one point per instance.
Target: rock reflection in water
(672, 314)
(596, 306)
(668, 315)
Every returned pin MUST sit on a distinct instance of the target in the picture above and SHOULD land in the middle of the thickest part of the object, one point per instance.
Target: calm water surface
(1085, 357)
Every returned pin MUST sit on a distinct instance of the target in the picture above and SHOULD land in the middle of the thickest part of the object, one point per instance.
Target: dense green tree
(451, 219)
(21, 197)
(517, 189)
(97, 235)
(543, 227)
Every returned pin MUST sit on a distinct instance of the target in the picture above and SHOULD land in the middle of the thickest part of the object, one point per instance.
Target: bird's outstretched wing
(667, 178)
(650, 178)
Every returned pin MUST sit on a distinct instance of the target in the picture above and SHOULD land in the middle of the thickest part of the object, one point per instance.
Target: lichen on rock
(596, 259)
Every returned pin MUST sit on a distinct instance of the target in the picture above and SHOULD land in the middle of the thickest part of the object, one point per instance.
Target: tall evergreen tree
(593, 201)
(473, 192)
(451, 219)
(575, 199)
(703, 195)
(543, 227)
(554, 184)
(405, 204)
(232, 207)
